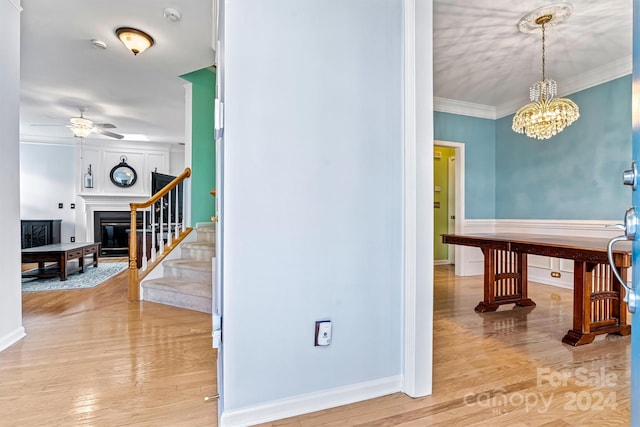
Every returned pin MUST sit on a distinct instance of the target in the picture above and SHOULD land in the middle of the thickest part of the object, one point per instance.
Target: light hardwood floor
(92, 358)
(495, 369)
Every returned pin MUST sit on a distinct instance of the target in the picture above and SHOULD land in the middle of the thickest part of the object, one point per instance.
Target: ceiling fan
(83, 127)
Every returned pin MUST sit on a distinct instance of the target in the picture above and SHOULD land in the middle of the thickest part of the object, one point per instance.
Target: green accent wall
(441, 214)
(203, 144)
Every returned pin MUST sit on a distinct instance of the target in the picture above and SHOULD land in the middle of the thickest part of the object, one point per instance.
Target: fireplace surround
(111, 228)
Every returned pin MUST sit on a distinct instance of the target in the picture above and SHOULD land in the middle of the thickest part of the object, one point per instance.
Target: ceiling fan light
(80, 131)
(135, 40)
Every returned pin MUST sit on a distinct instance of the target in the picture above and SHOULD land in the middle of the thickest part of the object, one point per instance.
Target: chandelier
(546, 115)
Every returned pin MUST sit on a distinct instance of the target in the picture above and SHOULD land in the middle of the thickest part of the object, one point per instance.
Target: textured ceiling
(61, 71)
(479, 58)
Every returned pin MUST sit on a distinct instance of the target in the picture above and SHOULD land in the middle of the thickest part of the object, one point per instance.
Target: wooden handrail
(134, 276)
(175, 181)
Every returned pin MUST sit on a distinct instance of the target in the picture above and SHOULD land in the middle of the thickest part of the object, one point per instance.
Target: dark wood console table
(598, 306)
(60, 253)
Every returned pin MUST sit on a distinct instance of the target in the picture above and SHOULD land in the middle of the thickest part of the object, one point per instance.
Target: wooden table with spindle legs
(598, 306)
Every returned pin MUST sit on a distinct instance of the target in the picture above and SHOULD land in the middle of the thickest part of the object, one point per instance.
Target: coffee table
(61, 254)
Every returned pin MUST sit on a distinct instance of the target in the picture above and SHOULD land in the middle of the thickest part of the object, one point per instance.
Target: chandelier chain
(543, 51)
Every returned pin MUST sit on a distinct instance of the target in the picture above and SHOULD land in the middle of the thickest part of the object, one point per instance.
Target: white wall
(52, 173)
(47, 177)
(313, 204)
(11, 328)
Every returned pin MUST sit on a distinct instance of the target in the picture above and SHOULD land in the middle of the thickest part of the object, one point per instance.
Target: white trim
(441, 262)
(460, 194)
(17, 4)
(188, 147)
(12, 337)
(606, 73)
(445, 105)
(311, 402)
(409, 200)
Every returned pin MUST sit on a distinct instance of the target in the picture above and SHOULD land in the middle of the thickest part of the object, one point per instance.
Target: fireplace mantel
(105, 202)
(114, 198)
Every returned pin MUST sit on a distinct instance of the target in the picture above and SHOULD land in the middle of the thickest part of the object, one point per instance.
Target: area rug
(91, 278)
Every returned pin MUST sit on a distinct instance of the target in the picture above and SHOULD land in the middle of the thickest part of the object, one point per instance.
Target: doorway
(449, 198)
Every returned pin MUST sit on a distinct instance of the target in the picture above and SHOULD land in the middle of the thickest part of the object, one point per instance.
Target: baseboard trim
(441, 262)
(12, 338)
(311, 402)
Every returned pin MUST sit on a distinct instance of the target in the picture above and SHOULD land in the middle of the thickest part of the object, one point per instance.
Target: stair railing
(163, 228)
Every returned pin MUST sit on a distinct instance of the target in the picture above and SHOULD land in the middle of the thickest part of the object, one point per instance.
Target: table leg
(81, 263)
(598, 307)
(63, 266)
(505, 280)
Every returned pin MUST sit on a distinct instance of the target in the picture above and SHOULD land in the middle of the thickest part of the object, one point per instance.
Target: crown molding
(586, 80)
(445, 105)
(16, 4)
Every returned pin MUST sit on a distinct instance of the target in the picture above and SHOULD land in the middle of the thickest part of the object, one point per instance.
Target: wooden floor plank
(91, 358)
(495, 369)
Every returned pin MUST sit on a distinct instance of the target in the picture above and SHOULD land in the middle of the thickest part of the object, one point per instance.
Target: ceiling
(480, 57)
(481, 60)
(141, 95)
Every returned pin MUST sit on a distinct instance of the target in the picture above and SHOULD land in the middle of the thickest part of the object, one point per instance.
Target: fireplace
(112, 229)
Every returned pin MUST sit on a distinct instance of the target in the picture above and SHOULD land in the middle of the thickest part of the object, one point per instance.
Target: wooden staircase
(187, 281)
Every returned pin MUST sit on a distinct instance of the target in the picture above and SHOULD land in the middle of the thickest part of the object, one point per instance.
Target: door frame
(417, 169)
(460, 195)
(451, 206)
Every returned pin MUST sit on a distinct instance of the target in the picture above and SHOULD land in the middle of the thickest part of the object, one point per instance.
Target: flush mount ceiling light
(135, 40)
(546, 115)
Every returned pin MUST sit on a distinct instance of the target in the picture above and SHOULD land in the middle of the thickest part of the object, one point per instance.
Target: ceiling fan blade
(104, 125)
(107, 133)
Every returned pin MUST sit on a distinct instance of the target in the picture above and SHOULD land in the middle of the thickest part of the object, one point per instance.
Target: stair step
(200, 251)
(187, 281)
(178, 293)
(206, 232)
(189, 269)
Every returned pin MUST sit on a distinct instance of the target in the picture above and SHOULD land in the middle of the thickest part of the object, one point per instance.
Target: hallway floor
(91, 358)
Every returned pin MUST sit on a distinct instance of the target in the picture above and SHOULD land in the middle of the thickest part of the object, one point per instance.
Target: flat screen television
(158, 182)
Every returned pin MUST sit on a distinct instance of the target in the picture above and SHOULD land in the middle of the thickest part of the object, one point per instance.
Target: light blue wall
(479, 137)
(577, 174)
(313, 185)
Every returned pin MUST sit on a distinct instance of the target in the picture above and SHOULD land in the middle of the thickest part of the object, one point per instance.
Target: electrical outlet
(60, 205)
(73, 239)
(556, 274)
(323, 333)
